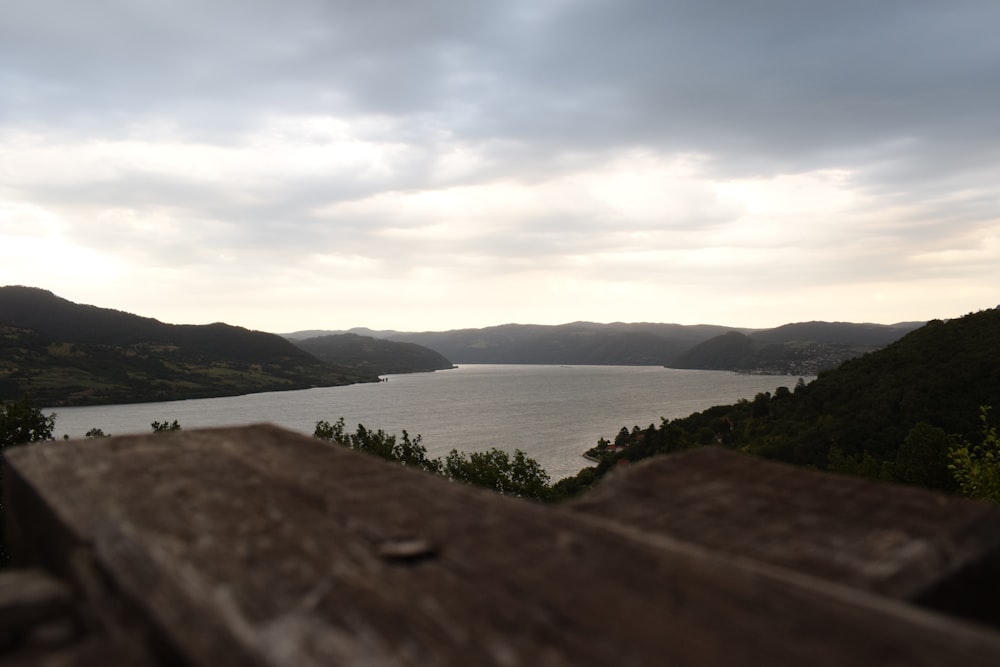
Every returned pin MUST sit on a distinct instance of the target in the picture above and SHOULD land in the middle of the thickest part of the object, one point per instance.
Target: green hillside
(891, 414)
(365, 354)
(63, 353)
(803, 348)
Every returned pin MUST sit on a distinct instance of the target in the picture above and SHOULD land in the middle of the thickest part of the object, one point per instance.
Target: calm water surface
(553, 413)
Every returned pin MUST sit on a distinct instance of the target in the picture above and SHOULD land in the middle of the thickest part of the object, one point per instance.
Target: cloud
(780, 80)
(737, 158)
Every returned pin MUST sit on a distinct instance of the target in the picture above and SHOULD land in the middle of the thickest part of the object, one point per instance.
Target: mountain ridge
(797, 348)
(64, 353)
(370, 354)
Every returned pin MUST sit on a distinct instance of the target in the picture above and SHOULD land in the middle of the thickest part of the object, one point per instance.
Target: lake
(553, 413)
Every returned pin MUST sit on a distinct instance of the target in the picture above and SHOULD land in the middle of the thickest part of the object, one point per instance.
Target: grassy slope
(66, 353)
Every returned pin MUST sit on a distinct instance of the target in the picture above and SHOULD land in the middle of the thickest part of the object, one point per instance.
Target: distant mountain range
(64, 353)
(803, 348)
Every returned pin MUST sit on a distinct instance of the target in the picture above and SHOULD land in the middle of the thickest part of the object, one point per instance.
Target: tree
(977, 467)
(406, 451)
(164, 426)
(96, 433)
(412, 453)
(21, 423)
(922, 459)
(331, 432)
(495, 469)
(568, 487)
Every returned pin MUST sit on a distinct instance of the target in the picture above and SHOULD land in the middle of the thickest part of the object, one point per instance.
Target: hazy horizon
(520, 324)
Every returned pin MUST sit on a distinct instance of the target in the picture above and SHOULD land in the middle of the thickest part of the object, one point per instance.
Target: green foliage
(405, 450)
(165, 426)
(98, 433)
(976, 468)
(497, 470)
(569, 487)
(21, 423)
(331, 432)
(519, 475)
(864, 465)
(923, 458)
(891, 415)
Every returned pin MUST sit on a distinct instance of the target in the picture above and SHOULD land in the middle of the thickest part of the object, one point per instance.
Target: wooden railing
(258, 546)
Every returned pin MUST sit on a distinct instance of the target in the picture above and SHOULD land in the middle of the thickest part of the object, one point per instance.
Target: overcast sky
(429, 165)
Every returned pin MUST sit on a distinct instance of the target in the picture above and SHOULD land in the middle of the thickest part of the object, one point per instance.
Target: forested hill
(373, 355)
(803, 348)
(892, 414)
(627, 344)
(67, 353)
(837, 333)
(66, 321)
(790, 349)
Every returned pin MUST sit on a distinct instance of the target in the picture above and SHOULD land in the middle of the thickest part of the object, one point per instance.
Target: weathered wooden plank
(41, 624)
(899, 541)
(29, 596)
(260, 546)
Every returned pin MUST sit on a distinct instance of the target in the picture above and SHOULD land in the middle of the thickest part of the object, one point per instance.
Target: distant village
(808, 361)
